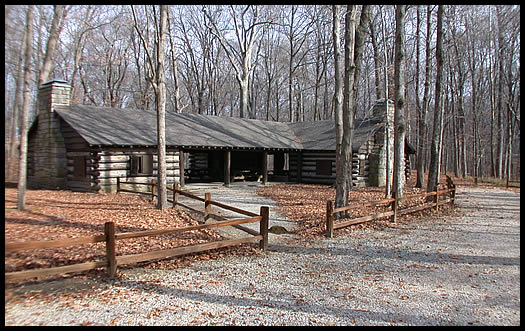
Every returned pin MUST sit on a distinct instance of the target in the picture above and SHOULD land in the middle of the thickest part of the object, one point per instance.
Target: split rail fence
(110, 237)
(393, 203)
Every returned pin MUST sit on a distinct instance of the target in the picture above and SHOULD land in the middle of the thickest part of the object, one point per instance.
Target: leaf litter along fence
(110, 237)
(393, 203)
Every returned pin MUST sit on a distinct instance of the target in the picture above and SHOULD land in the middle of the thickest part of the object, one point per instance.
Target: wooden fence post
(451, 186)
(118, 184)
(329, 219)
(265, 213)
(394, 207)
(153, 182)
(207, 206)
(109, 232)
(175, 194)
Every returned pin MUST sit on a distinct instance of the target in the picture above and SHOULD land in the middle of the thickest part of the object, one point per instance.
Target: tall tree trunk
(162, 202)
(291, 109)
(338, 107)
(421, 118)
(244, 97)
(22, 164)
(348, 99)
(422, 150)
(56, 26)
(388, 129)
(437, 133)
(158, 81)
(509, 146)
(360, 35)
(13, 140)
(399, 115)
(377, 66)
(501, 75)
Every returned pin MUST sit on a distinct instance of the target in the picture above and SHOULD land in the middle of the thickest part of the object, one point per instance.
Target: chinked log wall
(103, 169)
(116, 164)
(308, 164)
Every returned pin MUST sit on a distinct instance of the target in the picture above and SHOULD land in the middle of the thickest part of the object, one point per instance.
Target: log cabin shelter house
(86, 148)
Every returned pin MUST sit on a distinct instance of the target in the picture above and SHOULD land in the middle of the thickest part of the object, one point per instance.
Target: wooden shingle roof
(320, 135)
(131, 127)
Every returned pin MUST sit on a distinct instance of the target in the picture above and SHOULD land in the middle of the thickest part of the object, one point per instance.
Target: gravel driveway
(436, 271)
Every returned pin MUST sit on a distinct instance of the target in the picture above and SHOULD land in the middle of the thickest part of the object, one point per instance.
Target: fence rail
(110, 237)
(392, 202)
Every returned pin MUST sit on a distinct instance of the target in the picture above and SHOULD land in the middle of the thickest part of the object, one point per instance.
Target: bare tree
(348, 102)
(12, 155)
(298, 32)
(247, 27)
(422, 118)
(500, 110)
(107, 64)
(56, 26)
(158, 82)
(377, 66)
(354, 41)
(459, 72)
(437, 133)
(340, 179)
(22, 170)
(399, 114)
(388, 156)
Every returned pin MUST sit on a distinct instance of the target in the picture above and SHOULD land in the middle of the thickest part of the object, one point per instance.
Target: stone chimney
(53, 93)
(379, 109)
(47, 161)
(378, 156)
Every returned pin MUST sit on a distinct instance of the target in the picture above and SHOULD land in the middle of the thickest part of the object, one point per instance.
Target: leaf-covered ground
(306, 204)
(51, 215)
(54, 214)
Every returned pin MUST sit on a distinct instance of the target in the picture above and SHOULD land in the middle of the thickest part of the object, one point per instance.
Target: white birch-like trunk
(162, 201)
(22, 164)
(399, 96)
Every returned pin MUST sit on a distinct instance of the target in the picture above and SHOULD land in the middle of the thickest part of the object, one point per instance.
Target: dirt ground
(64, 214)
(443, 269)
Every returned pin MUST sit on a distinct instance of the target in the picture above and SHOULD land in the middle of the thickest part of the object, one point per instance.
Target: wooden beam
(145, 233)
(237, 210)
(181, 167)
(20, 246)
(227, 166)
(263, 230)
(299, 167)
(109, 232)
(127, 259)
(265, 167)
(55, 270)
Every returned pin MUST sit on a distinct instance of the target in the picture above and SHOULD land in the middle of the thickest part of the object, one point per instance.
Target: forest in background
(277, 63)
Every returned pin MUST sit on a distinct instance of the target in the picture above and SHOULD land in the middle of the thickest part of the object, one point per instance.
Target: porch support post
(299, 166)
(181, 167)
(265, 167)
(278, 162)
(227, 165)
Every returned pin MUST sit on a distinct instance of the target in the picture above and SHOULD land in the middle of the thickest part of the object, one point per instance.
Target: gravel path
(436, 271)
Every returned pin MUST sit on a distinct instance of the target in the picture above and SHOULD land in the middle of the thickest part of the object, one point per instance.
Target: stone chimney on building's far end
(53, 93)
(47, 160)
(381, 159)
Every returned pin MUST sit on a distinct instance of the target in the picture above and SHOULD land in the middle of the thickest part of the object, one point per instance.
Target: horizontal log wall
(309, 168)
(116, 164)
